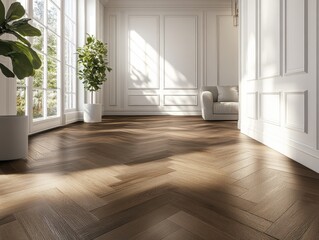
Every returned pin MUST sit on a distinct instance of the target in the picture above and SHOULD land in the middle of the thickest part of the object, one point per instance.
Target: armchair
(219, 102)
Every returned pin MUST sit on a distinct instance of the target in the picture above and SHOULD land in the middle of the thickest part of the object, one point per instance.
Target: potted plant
(92, 59)
(24, 62)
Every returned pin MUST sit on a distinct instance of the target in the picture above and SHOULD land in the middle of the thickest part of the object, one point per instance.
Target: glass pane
(69, 30)
(21, 102)
(66, 101)
(38, 41)
(73, 79)
(52, 73)
(67, 83)
(73, 55)
(53, 43)
(53, 17)
(52, 103)
(66, 51)
(21, 82)
(70, 8)
(38, 10)
(58, 2)
(73, 101)
(39, 75)
(37, 104)
(70, 54)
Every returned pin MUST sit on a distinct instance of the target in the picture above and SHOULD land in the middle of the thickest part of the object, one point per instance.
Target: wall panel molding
(226, 46)
(113, 60)
(252, 105)
(143, 100)
(269, 38)
(296, 111)
(250, 40)
(270, 107)
(144, 51)
(296, 36)
(180, 100)
(180, 42)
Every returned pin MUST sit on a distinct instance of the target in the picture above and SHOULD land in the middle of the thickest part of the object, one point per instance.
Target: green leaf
(24, 59)
(22, 39)
(24, 28)
(29, 52)
(6, 71)
(92, 58)
(22, 67)
(5, 48)
(2, 13)
(36, 61)
(15, 12)
(21, 22)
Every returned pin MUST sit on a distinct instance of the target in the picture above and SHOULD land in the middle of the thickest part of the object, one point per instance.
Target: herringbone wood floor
(156, 178)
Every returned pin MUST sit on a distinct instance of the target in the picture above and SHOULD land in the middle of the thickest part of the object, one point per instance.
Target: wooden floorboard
(156, 177)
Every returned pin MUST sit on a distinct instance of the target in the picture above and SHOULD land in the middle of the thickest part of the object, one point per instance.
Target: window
(70, 57)
(46, 81)
(21, 94)
(40, 96)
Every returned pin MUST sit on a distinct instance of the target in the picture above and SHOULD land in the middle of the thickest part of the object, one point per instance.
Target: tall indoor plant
(92, 59)
(24, 62)
(23, 58)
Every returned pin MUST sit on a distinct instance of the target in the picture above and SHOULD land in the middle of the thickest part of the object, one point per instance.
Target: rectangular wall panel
(296, 105)
(227, 46)
(144, 52)
(143, 100)
(249, 43)
(112, 92)
(295, 36)
(180, 52)
(270, 38)
(211, 42)
(270, 107)
(189, 100)
(252, 105)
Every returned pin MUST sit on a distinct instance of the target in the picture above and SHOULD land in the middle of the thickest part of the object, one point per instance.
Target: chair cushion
(227, 93)
(225, 108)
(213, 90)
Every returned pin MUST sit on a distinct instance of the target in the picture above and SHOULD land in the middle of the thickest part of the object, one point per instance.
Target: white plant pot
(13, 137)
(92, 113)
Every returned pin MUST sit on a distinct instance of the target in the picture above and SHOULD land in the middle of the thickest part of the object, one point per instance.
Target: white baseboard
(152, 113)
(73, 117)
(309, 160)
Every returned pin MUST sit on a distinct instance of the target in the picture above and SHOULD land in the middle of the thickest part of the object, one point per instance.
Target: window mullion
(62, 68)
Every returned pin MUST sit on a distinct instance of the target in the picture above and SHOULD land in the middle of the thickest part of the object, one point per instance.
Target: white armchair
(219, 102)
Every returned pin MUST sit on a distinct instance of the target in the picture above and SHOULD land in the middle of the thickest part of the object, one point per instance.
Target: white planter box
(13, 137)
(92, 113)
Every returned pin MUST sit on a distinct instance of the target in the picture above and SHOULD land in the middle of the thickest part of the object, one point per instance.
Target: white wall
(162, 52)
(279, 85)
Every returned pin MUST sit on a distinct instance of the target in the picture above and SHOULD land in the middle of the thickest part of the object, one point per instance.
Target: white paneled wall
(279, 76)
(163, 52)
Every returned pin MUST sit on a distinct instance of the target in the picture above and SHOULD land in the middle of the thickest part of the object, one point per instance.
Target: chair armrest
(207, 104)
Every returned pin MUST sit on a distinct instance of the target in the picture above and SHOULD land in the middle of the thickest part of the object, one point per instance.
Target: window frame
(61, 110)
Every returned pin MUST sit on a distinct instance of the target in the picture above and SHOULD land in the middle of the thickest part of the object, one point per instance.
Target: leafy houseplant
(92, 59)
(14, 129)
(24, 59)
